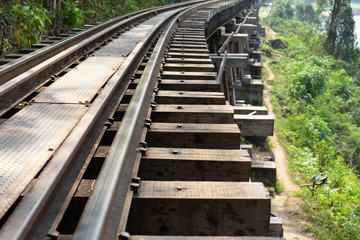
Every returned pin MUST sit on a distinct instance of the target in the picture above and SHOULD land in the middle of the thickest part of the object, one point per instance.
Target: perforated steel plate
(27, 141)
(30, 137)
(83, 82)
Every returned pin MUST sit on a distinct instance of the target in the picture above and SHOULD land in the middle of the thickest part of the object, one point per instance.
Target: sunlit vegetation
(316, 97)
(24, 22)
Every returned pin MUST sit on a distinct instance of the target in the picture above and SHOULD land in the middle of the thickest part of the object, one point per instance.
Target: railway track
(137, 141)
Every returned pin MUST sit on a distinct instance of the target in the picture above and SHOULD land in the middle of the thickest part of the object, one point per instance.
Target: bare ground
(285, 205)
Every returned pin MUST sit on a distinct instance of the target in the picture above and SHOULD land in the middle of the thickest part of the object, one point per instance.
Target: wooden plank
(189, 75)
(189, 135)
(190, 50)
(184, 164)
(189, 67)
(189, 36)
(189, 97)
(190, 85)
(188, 208)
(255, 125)
(187, 55)
(188, 60)
(182, 42)
(149, 237)
(180, 29)
(244, 110)
(184, 38)
(196, 33)
(183, 45)
(263, 171)
(189, 29)
(193, 114)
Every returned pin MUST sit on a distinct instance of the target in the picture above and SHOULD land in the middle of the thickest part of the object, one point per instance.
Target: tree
(341, 39)
(305, 12)
(284, 9)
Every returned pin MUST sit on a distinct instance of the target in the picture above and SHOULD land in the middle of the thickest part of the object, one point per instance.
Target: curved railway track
(145, 142)
(32, 66)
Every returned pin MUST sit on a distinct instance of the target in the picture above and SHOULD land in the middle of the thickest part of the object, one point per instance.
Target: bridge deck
(30, 137)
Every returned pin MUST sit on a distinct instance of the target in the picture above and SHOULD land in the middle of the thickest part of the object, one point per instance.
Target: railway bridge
(132, 129)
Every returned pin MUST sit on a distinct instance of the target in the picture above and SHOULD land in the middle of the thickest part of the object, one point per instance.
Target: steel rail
(220, 77)
(94, 222)
(18, 66)
(229, 38)
(25, 222)
(27, 73)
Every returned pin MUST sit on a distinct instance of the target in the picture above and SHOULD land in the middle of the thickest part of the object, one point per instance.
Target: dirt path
(285, 205)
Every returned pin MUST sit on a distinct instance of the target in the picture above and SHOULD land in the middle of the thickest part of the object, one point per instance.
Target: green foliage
(306, 12)
(308, 83)
(320, 128)
(22, 24)
(341, 39)
(284, 9)
(72, 15)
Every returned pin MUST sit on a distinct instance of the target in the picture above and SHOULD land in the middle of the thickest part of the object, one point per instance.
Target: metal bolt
(134, 187)
(124, 236)
(147, 125)
(143, 150)
(175, 151)
(108, 123)
(179, 188)
(148, 120)
(156, 90)
(181, 92)
(153, 106)
(143, 144)
(110, 119)
(179, 125)
(135, 180)
(179, 107)
(182, 81)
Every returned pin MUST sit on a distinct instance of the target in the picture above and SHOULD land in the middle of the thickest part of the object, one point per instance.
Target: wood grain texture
(244, 110)
(183, 164)
(190, 50)
(200, 208)
(189, 67)
(190, 85)
(189, 75)
(187, 55)
(255, 125)
(222, 136)
(183, 45)
(188, 60)
(193, 114)
(158, 237)
(189, 97)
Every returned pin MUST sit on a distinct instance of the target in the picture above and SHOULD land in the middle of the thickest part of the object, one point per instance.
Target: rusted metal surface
(27, 142)
(18, 227)
(105, 200)
(82, 83)
(27, 73)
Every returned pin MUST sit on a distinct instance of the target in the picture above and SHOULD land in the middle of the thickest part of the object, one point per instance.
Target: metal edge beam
(94, 222)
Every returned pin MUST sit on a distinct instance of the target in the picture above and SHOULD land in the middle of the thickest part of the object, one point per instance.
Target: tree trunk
(332, 31)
